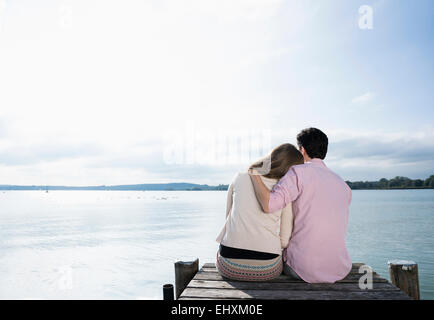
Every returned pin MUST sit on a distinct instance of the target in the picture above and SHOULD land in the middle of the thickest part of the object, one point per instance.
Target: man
(321, 200)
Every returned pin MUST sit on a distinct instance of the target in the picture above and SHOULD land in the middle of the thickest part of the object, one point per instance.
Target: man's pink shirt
(320, 200)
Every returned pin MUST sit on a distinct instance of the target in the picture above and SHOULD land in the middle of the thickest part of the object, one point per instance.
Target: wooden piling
(168, 293)
(404, 275)
(184, 272)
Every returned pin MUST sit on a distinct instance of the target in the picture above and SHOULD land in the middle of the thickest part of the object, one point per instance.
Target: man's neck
(314, 160)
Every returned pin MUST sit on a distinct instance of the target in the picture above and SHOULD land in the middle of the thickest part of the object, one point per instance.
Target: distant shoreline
(43, 190)
(386, 189)
(137, 187)
(3, 190)
(397, 183)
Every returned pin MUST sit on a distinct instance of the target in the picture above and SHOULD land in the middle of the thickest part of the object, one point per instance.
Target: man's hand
(261, 191)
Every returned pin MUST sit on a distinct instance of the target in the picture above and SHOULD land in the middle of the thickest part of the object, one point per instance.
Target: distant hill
(395, 183)
(131, 187)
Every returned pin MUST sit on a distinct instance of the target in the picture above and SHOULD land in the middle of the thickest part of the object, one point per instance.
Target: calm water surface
(122, 245)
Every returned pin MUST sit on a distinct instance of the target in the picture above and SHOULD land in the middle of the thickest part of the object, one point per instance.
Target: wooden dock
(208, 284)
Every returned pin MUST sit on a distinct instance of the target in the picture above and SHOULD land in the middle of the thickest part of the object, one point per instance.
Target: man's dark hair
(314, 141)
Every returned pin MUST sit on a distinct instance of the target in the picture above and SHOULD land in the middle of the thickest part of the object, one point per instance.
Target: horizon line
(169, 183)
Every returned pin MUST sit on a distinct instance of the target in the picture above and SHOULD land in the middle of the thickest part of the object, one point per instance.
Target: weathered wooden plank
(196, 298)
(356, 265)
(215, 276)
(292, 295)
(211, 267)
(353, 271)
(287, 286)
(187, 298)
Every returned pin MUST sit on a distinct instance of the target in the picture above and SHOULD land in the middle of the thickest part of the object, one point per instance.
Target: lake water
(122, 244)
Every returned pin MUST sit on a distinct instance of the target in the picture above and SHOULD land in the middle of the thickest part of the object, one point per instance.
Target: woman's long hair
(277, 164)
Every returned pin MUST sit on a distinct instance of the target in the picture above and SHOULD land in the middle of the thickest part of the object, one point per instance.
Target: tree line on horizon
(395, 183)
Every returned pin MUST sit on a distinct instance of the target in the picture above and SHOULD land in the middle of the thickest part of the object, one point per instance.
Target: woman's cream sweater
(247, 226)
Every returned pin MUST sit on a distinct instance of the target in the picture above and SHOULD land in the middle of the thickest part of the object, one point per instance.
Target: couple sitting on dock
(289, 214)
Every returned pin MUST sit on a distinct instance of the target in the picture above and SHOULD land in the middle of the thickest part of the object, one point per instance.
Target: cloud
(354, 155)
(3, 129)
(255, 58)
(367, 103)
(30, 154)
(250, 10)
(377, 154)
(364, 98)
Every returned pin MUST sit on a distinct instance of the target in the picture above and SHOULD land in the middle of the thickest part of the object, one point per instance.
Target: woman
(250, 242)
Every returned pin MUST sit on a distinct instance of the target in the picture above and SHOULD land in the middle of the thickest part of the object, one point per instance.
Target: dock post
(404, 275)
(168, 293)
(184, 272)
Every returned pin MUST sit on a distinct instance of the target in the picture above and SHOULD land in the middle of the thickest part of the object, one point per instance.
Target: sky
(97, 92)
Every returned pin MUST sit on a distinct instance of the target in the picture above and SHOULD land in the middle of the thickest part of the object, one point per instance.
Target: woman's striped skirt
(249, 270)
